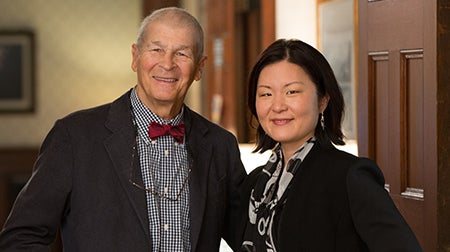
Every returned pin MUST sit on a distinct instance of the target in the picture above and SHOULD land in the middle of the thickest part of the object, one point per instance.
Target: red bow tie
(156, 130)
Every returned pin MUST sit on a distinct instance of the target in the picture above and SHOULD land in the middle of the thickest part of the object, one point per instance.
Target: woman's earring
(322, 121)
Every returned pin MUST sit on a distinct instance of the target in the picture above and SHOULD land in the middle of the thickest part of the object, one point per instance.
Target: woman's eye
(264, 94)
(292, 92)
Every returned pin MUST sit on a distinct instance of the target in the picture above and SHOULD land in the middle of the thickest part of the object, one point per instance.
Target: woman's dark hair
(321, 74)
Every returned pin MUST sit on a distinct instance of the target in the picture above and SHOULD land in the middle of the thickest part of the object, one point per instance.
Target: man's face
(166, 65)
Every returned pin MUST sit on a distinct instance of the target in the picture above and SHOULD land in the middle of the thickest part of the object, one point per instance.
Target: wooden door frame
(442, 92)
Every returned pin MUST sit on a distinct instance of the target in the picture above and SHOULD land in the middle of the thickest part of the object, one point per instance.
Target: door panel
(393, 104)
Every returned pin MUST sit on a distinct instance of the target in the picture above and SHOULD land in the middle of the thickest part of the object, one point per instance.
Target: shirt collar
(142, 116)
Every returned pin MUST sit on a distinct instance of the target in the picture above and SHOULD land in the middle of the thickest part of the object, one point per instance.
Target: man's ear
(201, 65)
(135, 56)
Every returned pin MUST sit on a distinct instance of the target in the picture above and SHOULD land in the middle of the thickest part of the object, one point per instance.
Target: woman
(311, 196)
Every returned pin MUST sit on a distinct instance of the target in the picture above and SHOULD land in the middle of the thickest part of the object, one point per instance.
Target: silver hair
(179, 15)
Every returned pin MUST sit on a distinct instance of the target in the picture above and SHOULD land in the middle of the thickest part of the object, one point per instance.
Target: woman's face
(287, 104)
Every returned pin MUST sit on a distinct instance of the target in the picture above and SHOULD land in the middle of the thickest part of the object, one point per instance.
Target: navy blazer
(337, 202)
(80, 185)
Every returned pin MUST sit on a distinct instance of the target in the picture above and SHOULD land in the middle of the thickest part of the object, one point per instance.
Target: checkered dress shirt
(164, 167)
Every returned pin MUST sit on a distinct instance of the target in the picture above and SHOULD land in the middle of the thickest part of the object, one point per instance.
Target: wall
(83, 57)
(296, 19)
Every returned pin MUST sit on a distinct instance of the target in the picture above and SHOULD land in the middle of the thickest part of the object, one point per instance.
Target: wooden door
(398, 114)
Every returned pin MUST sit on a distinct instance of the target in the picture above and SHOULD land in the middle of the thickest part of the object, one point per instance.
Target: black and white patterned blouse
(268, 195)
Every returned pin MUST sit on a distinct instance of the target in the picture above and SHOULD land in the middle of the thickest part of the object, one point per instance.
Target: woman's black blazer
(338, 202)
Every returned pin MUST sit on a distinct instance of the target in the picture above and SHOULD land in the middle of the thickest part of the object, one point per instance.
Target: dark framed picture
(16, 71)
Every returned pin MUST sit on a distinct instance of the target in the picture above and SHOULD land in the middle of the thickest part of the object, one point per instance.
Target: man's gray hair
(181, 17)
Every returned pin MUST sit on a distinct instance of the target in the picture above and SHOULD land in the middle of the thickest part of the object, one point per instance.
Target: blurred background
(76, 54)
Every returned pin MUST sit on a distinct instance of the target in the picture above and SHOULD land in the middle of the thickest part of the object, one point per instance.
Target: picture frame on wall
(17, 83)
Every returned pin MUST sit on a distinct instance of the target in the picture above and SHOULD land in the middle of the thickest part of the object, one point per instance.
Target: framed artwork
(16, 71)
(337, 36)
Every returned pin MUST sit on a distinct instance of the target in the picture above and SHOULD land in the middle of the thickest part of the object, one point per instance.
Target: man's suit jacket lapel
(200, 153)
(120, 146)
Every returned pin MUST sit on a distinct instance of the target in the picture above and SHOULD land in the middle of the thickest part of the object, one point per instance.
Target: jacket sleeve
(37, 212)
(376, 218)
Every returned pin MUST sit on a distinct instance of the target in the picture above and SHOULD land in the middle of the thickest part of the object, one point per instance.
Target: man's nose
(167, 61)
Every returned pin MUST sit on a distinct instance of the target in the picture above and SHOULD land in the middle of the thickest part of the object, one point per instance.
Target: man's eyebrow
(158, 43)
(181, 47)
